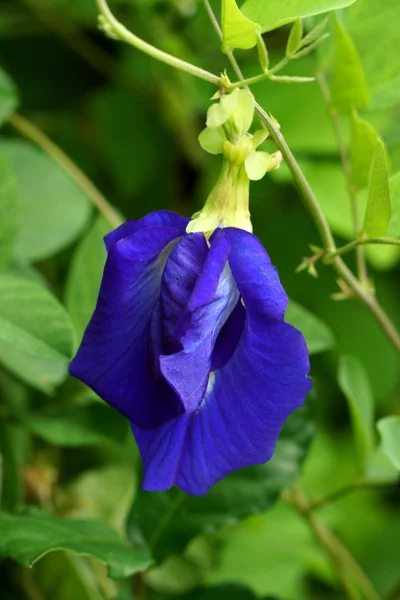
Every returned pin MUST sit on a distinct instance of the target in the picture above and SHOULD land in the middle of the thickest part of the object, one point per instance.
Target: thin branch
(30, 131)
(348, 489)
(363, 242)
(338, 553)
(115, 28)
(315, 210)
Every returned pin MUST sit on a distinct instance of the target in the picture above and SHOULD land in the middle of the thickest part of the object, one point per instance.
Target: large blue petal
(213, 298)
(113, 358)
(158, 218)
(248, 400)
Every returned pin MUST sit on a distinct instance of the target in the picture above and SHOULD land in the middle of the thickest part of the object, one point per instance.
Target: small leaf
(220, 112)
(33, 321)
(263, 55)
(389, 428)
(380, 468)
(9, 212)
(41, 374)
(294, 41)
(354, 383)
(237, 30)
(362, 148)
(53, 208)
(212, 140)
(313, 35)
(27, 538)
(8, 96)
(377, 216)
(318, 336)
(349, 89)
(257, 164)
(394, 223)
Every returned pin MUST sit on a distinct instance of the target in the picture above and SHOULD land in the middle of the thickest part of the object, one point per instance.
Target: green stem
(315, 210)
(363, 242)
(334, 116)
(122, 33)
(341, 558)
(356, 486)
(30, 131)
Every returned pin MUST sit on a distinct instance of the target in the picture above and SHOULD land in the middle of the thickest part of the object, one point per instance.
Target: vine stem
(356, 486)
(362, 242)
(33, 133)
(342, 559)
(344, 156)
(122, 33)
(314, 208)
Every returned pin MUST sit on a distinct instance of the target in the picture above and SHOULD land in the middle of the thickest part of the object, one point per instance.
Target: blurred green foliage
(131, 125)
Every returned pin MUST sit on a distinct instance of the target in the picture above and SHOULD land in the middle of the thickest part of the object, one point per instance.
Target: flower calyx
(227, 133)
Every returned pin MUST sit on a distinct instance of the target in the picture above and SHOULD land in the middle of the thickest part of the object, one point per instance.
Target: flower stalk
(114, 29)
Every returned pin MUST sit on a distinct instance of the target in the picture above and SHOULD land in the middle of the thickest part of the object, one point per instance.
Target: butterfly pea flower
(188, 339)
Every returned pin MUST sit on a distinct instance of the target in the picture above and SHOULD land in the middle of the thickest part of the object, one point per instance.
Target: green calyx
(227, 133)
(228, 203)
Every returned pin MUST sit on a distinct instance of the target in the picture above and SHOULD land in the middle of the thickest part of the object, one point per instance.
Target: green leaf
(237, 30)
(394, 189)
(8, 96)
(362, 148)
(295, 36)
(389, 428)
(271, 15)
(9, 212)
(53, 209)
(41, 374)
(377, 216)
(27, 538)
(84, 277)
(354, 383)
(168, 520)
(315, 33)
(79, 425)
(349, 89)
(33, 321)
(373, 25)
(380, 468)
(318, 336)
(329, 184)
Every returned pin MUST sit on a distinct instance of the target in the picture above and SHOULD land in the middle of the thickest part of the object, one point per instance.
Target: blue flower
(188, 341)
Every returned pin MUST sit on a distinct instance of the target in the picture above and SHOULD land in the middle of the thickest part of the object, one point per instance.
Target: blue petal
(213, 298)
(113, 358)
(158, 218)
(248, 400)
